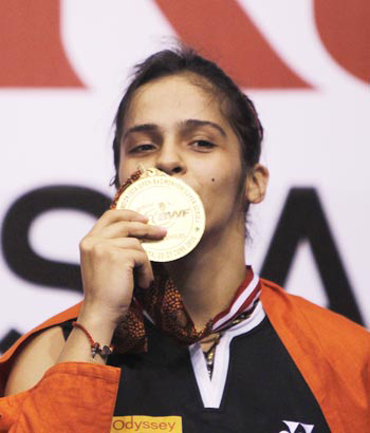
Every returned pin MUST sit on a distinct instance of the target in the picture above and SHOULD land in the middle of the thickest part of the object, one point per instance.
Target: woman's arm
(41, 353)
(44, 395)
(73, 383)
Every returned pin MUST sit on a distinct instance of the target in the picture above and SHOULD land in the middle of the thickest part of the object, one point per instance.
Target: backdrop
(64, 66)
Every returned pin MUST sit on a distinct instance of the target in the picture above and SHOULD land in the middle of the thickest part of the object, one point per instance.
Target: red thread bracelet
(95, 346)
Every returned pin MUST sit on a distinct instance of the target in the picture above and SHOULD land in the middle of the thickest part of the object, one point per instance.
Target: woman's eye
(142, 148)
(203, 145)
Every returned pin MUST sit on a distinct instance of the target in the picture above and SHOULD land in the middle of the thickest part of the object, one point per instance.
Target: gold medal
(169, 203)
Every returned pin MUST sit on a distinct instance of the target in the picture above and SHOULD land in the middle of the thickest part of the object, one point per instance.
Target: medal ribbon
(162, 304)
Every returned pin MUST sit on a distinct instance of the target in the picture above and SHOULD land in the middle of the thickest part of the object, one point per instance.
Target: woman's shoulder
(315, 322)
(331, 352)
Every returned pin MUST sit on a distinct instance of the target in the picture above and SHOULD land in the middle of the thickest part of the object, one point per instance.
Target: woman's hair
(237, 108)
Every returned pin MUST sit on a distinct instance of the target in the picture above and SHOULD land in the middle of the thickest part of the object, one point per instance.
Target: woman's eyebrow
(189, 124)
(196, 123)
(150, 128)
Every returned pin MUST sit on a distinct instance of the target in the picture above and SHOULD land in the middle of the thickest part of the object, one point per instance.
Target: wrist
(97, 315)
(100, 329)
(96, 347)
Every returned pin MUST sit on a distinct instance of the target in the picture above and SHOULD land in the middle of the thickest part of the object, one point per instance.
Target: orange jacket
(331, 352)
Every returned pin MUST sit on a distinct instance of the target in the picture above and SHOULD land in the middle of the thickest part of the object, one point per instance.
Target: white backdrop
(316, 136)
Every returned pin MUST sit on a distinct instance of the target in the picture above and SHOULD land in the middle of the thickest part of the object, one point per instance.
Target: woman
(235, 353)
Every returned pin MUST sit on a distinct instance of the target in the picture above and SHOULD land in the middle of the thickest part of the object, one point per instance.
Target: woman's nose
(170, 160)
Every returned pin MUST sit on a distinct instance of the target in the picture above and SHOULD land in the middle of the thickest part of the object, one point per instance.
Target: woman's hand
(110, 255)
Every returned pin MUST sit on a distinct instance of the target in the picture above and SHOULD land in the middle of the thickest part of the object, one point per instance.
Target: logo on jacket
(297, 427)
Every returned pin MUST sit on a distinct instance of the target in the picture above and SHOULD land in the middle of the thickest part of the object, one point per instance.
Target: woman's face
(177, 127)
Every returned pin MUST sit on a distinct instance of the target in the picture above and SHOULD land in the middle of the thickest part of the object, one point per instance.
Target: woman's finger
(112, 216)
(124, 229)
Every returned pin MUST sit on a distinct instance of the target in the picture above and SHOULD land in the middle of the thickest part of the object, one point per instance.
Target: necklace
(215, 339)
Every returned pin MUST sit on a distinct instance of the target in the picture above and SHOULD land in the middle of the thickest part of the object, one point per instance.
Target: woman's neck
(208, 277)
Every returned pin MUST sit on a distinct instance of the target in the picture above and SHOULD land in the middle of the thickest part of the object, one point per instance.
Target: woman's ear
(256, 183)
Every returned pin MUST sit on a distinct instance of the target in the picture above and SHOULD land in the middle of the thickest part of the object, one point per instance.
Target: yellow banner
(146, 424)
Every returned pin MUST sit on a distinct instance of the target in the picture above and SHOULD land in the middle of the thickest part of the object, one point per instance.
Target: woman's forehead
(173, 99)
